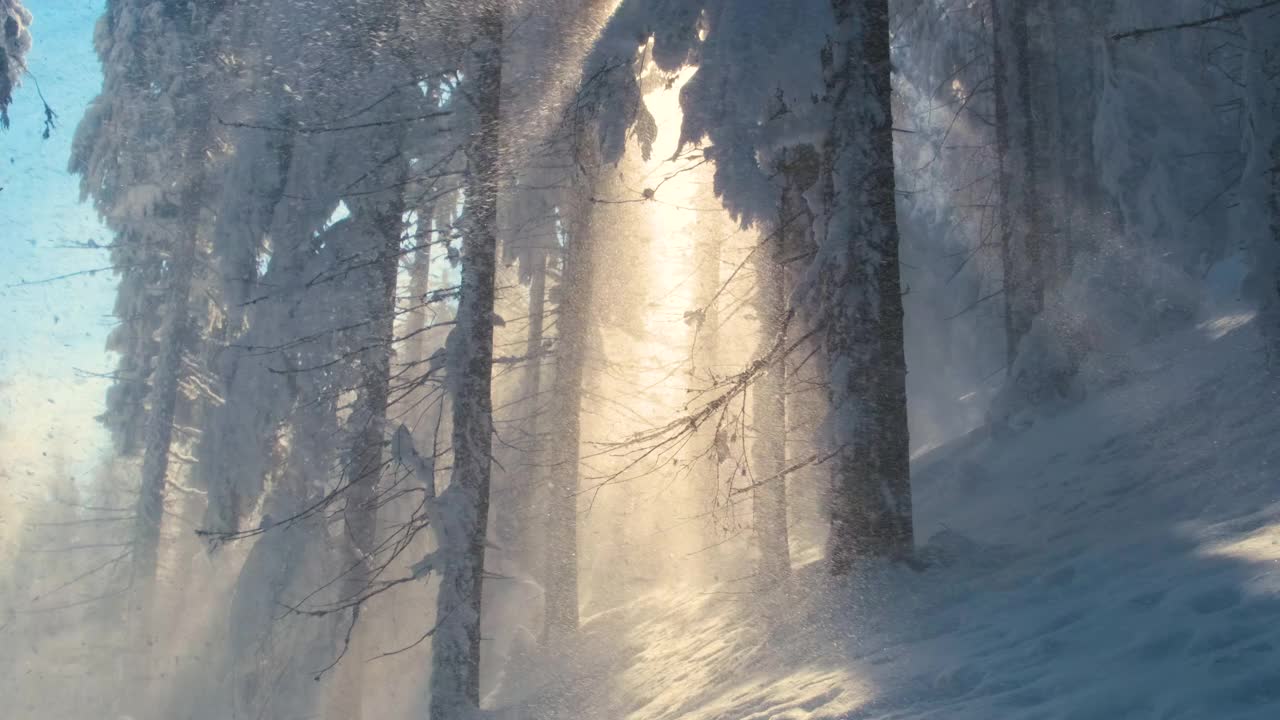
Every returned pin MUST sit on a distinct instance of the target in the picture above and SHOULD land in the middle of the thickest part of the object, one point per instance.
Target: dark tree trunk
(528, 492)
(862, 299)
(419, 286)
(566, 403)
(383, 221)
(455, 677)
(706, 350)
(175, 341)
(769, 499)
(1021, 215)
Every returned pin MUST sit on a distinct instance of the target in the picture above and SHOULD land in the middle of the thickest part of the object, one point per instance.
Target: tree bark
(1260, 188)
(526, 505)
(369, 419)
(420, 285)
(706, 336)
(164, 403)
(1021, 231)
(862, 298)
(769, 403)
(455, 676)
(566, 398)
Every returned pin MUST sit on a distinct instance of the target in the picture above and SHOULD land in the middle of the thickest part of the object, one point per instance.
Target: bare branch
(1190, 24)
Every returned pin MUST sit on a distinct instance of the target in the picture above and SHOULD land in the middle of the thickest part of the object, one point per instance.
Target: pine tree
(572, 321)
(419, 316)
(15, 41)
(861, 297)
(1260, 220)
(176, 341)
(145, 151)
(1021, 231)
(705, 328)
(1051, 208)
(381, 219)
(770, 411)
(455, 675)
(519, 516)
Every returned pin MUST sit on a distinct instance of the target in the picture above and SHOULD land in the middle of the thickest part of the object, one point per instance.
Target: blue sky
(49, 330)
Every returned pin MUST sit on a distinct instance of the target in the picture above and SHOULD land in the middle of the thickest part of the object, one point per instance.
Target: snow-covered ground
(1120, 560)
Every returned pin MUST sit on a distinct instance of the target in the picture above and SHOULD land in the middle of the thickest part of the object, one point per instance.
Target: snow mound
(1119, 560)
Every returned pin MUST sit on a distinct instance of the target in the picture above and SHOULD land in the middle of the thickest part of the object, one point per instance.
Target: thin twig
(1190, 24)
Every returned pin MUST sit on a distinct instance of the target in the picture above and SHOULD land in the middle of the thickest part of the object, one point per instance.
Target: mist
(639, 359)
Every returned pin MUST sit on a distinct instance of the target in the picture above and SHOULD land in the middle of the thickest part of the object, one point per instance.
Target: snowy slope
(1121, 560)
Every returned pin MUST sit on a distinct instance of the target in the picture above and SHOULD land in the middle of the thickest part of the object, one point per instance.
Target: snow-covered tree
(1022, 235)
(573, 319)
(860, 295)
(144, 151)
(464, 505)
(14, 44)
(786, 235)
(852, 290)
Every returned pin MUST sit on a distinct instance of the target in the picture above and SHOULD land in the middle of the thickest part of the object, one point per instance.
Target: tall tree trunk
(420, 285)
(165, 389)
(706, 346)
(769, 409)
(143, 620)
(261, 664)
(1260, 189)
(537, 309)
(1051, 213)
(455, 676)
(1020, 216)
(573, 321)
(862, 298)
(525, 506)
(233, 454)
(769, 500)
(384, 222)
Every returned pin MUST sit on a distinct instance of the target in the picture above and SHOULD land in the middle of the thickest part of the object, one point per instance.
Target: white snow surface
(1119, 560)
